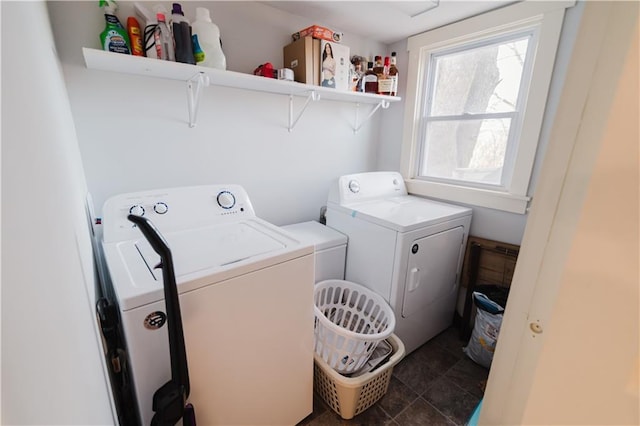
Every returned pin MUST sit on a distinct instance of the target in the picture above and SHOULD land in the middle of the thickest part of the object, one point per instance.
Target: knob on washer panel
(137, 209)
(160, 208)
(226, 200)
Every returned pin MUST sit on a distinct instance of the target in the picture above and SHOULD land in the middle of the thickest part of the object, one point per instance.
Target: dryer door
(432, 267)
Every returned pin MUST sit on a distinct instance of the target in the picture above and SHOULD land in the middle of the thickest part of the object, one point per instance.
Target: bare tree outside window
(472, 106)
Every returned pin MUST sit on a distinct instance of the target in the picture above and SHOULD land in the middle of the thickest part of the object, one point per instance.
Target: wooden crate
(496, 264)
(485, 262)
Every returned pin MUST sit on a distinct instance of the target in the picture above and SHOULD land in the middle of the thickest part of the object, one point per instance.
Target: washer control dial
(354, 186)
(137, 209)
(160, 208)
(226, 200)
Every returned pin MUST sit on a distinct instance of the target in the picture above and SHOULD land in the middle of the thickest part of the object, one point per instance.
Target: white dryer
(246, 294)
(407, 249)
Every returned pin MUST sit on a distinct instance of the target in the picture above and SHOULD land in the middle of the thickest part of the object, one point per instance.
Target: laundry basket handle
(169, 400)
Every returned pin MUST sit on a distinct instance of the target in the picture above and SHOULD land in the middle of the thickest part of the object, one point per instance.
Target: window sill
(477, 197)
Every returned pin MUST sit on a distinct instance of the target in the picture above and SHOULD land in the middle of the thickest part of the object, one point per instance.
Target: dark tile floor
(437, 384)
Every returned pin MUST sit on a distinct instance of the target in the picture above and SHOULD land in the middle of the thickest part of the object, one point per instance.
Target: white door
(431, 270)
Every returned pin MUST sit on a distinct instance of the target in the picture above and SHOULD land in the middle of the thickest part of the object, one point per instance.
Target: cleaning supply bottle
(135, 36)
(209, 39)
(181, 35)
(164, 40)
(114, 38)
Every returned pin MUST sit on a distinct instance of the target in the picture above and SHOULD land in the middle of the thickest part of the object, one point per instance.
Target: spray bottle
(114, 38)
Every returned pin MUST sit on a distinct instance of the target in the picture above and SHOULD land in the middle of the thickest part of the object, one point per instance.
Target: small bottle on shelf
(356, 73)
(393, 73)
(164, 40)
(369, 80)
(377, 64)
(385, 82)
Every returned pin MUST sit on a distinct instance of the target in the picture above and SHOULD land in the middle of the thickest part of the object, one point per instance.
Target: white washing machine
(246, 295)
(407, 249)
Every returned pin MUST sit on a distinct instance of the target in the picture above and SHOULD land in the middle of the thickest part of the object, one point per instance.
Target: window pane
(466, 150)
(481, 80)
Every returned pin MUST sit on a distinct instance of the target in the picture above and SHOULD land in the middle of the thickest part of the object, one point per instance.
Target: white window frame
(543, 18)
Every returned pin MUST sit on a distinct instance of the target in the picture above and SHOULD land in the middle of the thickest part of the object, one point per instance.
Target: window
(475, 101)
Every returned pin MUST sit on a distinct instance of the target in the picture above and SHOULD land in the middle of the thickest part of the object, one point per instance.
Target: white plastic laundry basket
(350, 322)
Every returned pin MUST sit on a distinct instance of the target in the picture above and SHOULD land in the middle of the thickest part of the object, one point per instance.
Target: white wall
(52, 368)
(133, 131)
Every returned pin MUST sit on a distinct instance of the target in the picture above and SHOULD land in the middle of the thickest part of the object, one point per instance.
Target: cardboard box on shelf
(316, 31)
(335, 65)
(303, 57)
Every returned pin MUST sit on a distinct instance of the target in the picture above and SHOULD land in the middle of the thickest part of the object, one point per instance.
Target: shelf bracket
(194, 91)
(384, 104)
(313, 96)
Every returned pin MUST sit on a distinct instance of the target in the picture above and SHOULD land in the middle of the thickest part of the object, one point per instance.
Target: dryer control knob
(161, 208)
(226, 200)
(137, 209)
(354, 186)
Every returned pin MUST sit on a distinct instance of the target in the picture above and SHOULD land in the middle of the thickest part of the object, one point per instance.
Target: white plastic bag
(486, 328)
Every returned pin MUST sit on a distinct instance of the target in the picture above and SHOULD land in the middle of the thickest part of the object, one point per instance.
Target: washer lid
(197, 250)
(403, 213)
(201, 257)
(321, 236)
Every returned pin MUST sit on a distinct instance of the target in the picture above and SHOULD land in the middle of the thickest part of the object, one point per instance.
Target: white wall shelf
(198, 77)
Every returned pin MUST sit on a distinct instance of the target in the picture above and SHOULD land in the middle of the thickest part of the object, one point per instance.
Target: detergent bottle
(181, 35)
(114, 38)
(208, 36)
